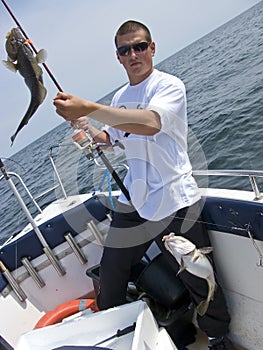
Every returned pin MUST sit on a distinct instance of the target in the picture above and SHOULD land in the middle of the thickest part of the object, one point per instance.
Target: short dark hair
(131, 27)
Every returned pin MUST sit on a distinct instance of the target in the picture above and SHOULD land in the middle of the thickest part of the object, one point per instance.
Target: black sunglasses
(138, 48)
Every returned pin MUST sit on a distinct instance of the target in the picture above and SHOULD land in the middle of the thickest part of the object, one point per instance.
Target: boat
(53, 263)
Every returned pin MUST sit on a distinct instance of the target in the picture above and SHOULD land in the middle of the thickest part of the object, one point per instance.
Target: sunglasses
(138, 48)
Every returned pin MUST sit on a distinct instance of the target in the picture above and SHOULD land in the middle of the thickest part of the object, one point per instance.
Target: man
(148, 116)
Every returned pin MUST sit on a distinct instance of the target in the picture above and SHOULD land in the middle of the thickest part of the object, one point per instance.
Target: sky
(78, 37)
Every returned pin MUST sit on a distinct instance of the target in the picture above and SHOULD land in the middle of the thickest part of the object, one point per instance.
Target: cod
(194, 261)
(20, 58)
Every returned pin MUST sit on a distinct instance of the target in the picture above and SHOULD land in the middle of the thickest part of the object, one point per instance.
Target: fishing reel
(84, 142)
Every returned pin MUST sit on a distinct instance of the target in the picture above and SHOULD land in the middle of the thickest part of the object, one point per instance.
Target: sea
(223, 75)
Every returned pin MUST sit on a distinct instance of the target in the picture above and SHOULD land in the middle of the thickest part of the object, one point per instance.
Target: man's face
(138, 64)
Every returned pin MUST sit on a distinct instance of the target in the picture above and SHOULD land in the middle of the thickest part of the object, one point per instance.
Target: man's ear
(152, 46)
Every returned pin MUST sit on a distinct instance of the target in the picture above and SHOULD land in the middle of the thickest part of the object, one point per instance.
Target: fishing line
(224, 227)
(207, 223)
(14, 161)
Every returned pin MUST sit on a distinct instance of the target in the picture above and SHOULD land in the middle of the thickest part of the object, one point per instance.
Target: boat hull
(235, 225)
(241, 278)
(55, 223)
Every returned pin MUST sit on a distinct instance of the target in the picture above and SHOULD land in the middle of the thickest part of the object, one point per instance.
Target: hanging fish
(21, 58)
(194, 261)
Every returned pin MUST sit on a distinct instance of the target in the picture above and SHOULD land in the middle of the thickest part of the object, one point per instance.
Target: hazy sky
(78, 36)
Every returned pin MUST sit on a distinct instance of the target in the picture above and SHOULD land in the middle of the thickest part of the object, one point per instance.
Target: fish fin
(41, 56)
(10, 65)
(206, 250)
(211, 287)
(37, 69)
(182, 267)
(180, 270)
(202, 307)
(43, 91)
(9, 59)
(196, 255)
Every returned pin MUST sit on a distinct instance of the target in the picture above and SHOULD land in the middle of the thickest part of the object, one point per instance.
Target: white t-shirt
(159, 179)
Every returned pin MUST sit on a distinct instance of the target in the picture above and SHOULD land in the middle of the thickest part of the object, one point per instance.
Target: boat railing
(33, 199)
(251, 174)
(60, 184)
(12, 174)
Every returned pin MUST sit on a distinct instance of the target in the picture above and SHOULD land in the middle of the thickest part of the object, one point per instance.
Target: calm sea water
(224, 79)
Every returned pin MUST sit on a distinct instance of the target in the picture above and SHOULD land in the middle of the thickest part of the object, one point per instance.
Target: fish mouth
(14, 40)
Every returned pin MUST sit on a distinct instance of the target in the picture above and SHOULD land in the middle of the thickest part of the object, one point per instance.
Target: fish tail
(12, 138)
(33, 106)
(202, 307)
(211, 288)
(30, 111)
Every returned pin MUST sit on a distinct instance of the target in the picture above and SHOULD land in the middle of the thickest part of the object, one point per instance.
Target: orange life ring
(64, 310)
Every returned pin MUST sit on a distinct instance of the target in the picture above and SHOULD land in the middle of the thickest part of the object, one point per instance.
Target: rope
(99, 188)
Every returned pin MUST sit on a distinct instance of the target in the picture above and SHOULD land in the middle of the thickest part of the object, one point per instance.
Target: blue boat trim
(234, 216)
(3, 282)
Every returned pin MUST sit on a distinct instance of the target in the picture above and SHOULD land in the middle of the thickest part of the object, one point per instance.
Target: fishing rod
(97, 147)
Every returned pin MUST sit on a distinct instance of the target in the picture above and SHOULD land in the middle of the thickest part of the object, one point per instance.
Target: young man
(148, 116)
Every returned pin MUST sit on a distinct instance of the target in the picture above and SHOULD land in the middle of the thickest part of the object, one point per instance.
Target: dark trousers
(128, 239)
